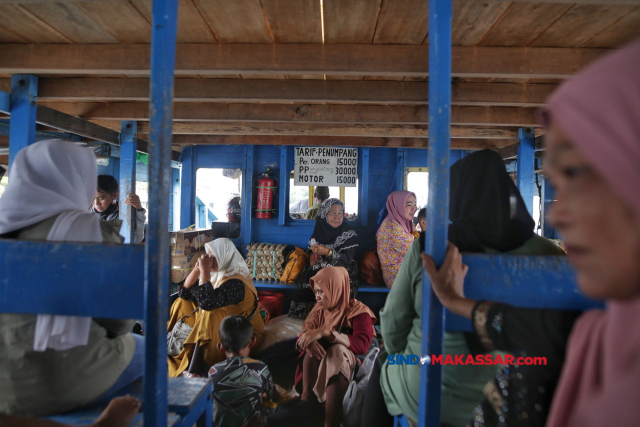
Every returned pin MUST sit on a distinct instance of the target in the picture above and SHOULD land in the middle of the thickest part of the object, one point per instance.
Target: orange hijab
(334, 282)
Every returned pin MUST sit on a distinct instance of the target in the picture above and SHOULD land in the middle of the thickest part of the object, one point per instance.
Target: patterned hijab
(334, 282)
(230, 262)
(339, 238)
(396, 203)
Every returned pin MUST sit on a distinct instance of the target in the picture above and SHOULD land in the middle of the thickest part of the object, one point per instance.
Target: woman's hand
(316, 350)
(312, 335)
(204, 265)
(320, 250)
(448, 282)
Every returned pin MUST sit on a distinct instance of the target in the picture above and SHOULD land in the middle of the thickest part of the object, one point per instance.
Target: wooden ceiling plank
(192, 28)
(25, 25)
(237, 21)
(334, 59)
(301, 113)
(458, 143)
(384, 78)
(72, 22)
(619, 33)
(522, 23)
(218, 90)
(7, 36)
(350, 21)
(294, 21)
(121, 20)
(402, 22)
(580, 24)
(472, 20)
(325, 129)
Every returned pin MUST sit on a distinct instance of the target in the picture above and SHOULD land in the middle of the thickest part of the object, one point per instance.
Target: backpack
(296, 262)
(370, 268)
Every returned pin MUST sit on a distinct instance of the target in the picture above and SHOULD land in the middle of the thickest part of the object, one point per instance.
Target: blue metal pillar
(246, 225)
(283, 196)
(363, 213)
(548, 196)
(23, 104)
(438, 206)
(163, 52)
(526, 165)
(128, 145)
(175, 200)
(188, 188)
(402, 169)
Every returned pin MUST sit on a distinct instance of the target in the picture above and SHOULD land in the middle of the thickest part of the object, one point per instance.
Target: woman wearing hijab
(593, 152)
(396, 233)
(219, 285)
(51, 184)
(332, 244)
(487, 215)
(337, 329)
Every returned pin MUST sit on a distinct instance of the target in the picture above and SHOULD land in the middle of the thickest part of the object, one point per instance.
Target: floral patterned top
(393, 243)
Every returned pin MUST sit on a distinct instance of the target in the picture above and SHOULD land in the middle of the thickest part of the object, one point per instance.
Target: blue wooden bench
(106, 281)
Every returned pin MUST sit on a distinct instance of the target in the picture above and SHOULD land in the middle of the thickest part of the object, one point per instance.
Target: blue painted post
(526, 165)
(5, 102)
(175, 184)
(128, 145)
(549, 197)
(246, 225)
(438, 206)
(283, 206)
(401, 168)
(23, 104)
(363, 213)
(163, 51)
(188, 188)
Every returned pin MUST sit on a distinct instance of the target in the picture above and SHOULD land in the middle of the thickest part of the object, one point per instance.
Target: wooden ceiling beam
(602, 2)
(309, 59)
(301, 113)
(324, 129)
(301, 91)
(457, 144)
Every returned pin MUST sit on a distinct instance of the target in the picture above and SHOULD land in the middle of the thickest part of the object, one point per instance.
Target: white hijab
(230, 262)
(50, 178)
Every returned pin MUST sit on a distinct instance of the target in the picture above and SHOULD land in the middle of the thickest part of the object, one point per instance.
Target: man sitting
(106, 204)
(320, 194)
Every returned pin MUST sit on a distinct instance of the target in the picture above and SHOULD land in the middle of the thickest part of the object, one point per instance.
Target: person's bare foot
(119, 413)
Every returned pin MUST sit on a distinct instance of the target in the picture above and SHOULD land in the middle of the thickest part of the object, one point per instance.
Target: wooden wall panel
(350, 21)
(522, 23)
(121, 20)
(472, 20)
(402, 22)
(237, 21)
(72, 22)
(28, 27)
(294, 21)
(621, 32)
(580, 24)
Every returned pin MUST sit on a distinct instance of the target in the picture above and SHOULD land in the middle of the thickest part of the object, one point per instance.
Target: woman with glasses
(332, 244)
(396, 233)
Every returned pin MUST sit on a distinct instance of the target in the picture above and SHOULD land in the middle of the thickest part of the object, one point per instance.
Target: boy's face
(103, 200)
(422, 222)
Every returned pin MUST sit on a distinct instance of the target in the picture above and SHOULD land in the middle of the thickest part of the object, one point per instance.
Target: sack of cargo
(296, 262)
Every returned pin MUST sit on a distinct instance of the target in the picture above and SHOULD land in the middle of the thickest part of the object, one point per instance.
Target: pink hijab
(600, 112)
(396, 202)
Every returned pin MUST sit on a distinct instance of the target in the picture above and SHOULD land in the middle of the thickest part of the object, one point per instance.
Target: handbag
(178, 335)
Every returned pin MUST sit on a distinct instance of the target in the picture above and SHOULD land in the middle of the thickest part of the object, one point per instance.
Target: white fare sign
(326, 166)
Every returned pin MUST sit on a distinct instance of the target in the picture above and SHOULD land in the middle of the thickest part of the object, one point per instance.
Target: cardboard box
(185, 242)
(181, 266)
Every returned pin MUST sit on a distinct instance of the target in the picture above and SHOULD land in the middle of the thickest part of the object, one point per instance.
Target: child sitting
(239, 382)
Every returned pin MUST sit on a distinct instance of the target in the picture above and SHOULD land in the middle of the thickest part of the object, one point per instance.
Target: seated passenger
(487, 214)
(593, 152)
(333, 243)
(395, 235)
(239, 382)
(106, 204)
(320, 194)
(422, 220)
(336, 330)
(225, 287)
(45, 371)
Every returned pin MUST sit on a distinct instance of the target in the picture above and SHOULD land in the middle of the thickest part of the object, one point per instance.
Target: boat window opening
(218, 196)
(301, 199)
(3, 184)
(417, 181)
(142, 191)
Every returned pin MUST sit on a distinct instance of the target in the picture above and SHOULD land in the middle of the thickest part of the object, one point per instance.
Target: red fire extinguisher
(264, 206)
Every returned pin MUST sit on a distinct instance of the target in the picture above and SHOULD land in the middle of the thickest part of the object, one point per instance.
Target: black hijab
(486, 208)
(326, 235)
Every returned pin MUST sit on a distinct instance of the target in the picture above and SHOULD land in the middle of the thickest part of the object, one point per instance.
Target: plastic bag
(354, 398)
